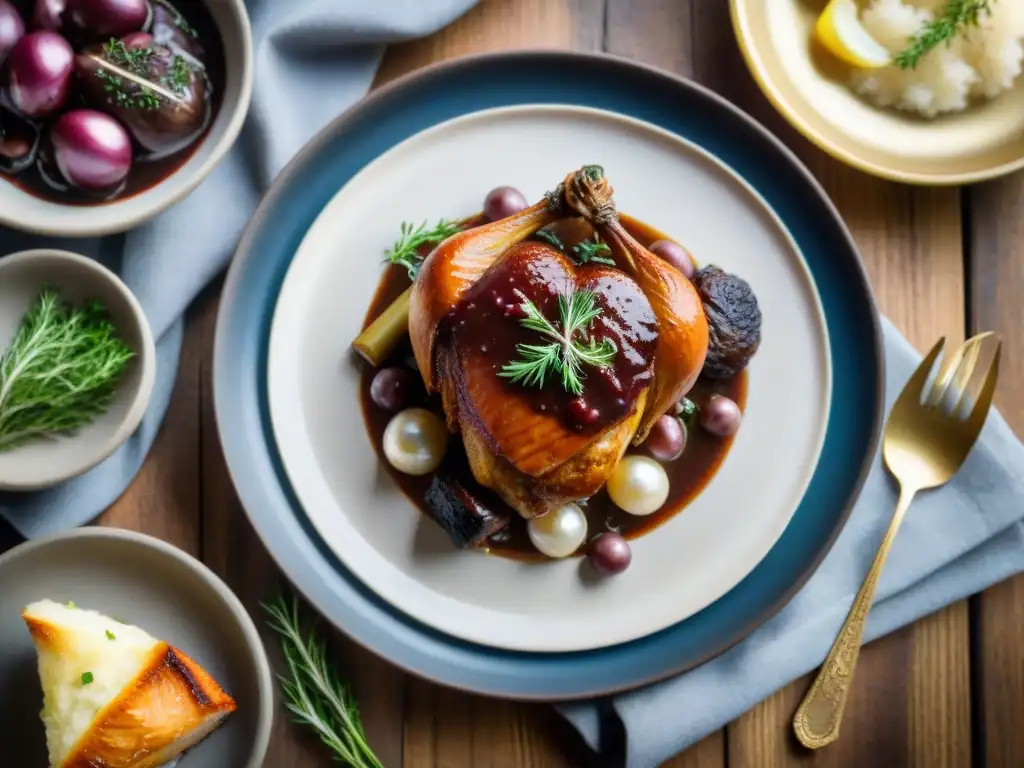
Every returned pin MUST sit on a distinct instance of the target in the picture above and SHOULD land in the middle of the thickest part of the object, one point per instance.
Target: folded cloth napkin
(956, 541)
(313, 59)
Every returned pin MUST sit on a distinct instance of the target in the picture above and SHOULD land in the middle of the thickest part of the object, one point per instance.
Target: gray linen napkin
(955, 541)
(313, 59)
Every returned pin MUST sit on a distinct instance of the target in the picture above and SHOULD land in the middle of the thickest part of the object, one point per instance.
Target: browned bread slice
(114, 695)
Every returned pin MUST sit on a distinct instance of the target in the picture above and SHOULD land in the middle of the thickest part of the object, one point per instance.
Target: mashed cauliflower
(984, 61)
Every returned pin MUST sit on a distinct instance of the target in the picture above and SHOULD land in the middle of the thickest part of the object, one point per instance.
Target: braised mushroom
(734, 321)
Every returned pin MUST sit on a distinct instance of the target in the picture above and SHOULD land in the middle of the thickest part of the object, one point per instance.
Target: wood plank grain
(449, 729)
(231, 548)
(499, 25)
(910, 702)
(997, 286)
(656, 32)
(709, 752)
(163, 499)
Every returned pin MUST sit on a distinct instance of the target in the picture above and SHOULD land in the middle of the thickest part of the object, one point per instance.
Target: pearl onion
(415, 441)
(559, 533)
(638, 485)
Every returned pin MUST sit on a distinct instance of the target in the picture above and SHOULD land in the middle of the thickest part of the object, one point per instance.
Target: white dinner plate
(363, 516)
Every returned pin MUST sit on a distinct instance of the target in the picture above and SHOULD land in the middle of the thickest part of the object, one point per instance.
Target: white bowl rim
(146, 355)
(45, 223)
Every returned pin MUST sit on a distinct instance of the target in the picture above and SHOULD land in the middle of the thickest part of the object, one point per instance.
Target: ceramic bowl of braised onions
(112, 111)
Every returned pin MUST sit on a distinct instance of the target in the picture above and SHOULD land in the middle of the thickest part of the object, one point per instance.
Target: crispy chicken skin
(541, 446)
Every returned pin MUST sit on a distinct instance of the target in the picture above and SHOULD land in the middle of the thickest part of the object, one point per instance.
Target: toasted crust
(45, 635)
(155, 717)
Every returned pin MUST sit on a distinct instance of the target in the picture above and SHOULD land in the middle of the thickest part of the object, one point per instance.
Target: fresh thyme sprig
(60, 372)
(131, 68)
(178, 76)
(593, 251)
(143, 98)
(135, 60)
(551, 239)
(586, 252)
(313, 692)
(955, 16)
(566, 353)
(406, 251)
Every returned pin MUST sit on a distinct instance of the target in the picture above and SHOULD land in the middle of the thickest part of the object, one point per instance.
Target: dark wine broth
(688, 475)
(145, 174)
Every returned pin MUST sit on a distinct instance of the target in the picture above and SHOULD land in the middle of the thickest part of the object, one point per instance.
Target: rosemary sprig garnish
(569, 349)
(593, 252)
(313, 692)
(60, 372)
(954, 17)
(406, 251)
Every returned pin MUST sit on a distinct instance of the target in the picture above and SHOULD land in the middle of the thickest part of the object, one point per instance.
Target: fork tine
(914, 387)
(970, 374)
(981, 407)
(944, 377)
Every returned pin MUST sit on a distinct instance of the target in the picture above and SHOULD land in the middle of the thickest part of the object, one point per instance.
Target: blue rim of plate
(451, 89)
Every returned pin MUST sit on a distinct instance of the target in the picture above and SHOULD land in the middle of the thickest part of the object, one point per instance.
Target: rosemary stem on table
(313, 691)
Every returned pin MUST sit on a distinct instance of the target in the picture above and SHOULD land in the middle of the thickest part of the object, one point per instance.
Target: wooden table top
(947, 691)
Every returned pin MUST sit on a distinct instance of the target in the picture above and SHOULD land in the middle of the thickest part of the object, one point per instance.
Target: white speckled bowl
(48, 462)
(20, 210)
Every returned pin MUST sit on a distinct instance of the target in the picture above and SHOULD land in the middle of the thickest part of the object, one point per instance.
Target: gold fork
(927, 437)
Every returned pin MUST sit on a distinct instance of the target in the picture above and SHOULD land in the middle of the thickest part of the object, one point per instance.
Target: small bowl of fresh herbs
(77, 366)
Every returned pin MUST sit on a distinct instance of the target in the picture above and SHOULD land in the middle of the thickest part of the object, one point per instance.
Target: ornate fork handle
(817, 720)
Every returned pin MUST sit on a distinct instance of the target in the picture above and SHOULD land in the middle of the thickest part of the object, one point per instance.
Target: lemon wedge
(840, 30)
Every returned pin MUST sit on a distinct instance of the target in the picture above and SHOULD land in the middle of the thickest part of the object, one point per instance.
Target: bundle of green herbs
(60, 372)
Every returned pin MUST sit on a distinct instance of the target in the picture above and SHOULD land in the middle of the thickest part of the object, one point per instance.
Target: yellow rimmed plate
(808, 85)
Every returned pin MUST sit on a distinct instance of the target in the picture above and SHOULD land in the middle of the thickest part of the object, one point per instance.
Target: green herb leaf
(593, 251)
(61, 370)
(550, 238)
(71, 604)
(952, 19)
(687, 411)
(182, 23)
(313, 691)
(87, 678)
(142, 98)
(180, 75)
(135, 60)
(570, 349)
(407, 251)
(125, 72)
(111, 635)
